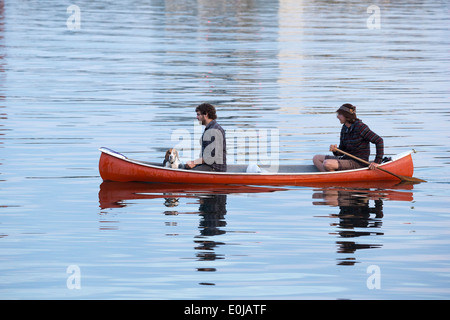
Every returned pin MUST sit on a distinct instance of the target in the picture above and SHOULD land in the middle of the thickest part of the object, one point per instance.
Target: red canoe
(114, 166)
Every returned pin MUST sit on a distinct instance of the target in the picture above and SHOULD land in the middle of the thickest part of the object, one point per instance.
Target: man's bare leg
(325, 164)
(318, 162)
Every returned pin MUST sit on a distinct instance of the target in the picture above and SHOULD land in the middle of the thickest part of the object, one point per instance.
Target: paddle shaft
(368, 163)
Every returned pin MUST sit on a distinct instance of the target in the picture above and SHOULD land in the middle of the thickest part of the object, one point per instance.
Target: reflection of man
(213, 209)
(352, 203)
(354, 215)
(213, 154)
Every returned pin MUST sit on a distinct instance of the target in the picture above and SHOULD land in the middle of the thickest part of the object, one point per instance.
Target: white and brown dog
(171, 160)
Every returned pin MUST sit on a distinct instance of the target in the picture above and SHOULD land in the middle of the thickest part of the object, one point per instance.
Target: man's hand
(190, 164)
(333, 147)
(373, 165)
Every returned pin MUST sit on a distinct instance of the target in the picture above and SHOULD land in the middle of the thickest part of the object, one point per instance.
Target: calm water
(133, 73)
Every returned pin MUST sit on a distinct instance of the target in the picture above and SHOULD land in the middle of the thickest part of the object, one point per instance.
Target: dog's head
(171, 155)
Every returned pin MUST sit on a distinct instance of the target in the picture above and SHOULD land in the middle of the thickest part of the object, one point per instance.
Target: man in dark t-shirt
(213, 153)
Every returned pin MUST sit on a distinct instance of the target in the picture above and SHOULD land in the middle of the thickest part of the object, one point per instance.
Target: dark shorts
(346, 164)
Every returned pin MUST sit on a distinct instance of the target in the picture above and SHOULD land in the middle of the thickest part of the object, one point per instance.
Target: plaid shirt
(211, 146)
(356, 141)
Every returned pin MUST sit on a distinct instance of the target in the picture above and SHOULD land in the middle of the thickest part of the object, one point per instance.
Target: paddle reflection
(360, 215)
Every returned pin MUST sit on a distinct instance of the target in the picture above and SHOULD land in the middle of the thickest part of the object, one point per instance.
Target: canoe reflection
(360, 209)
(360, 214)
(115, 194)
(212, 201)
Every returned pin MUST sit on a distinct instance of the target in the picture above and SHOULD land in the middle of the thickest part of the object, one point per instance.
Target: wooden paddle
(402, 178)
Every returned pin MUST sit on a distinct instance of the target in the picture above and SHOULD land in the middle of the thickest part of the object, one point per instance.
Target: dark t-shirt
(214, 146)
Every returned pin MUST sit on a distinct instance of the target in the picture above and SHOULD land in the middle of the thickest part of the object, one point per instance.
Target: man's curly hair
(206, 108)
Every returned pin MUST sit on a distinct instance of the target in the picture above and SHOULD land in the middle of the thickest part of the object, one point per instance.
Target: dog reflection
(171, 201)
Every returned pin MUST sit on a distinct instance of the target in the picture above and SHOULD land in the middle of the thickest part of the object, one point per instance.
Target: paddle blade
(411, 179)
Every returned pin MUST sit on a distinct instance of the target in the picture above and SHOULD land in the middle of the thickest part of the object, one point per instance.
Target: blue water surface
(126, 75)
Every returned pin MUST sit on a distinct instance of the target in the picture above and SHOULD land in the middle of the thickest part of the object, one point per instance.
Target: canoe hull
(116, 167)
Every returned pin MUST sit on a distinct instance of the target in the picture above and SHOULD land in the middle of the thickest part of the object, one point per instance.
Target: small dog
(171, 160)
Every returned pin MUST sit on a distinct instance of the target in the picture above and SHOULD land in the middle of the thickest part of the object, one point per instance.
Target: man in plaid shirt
(355, 139)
